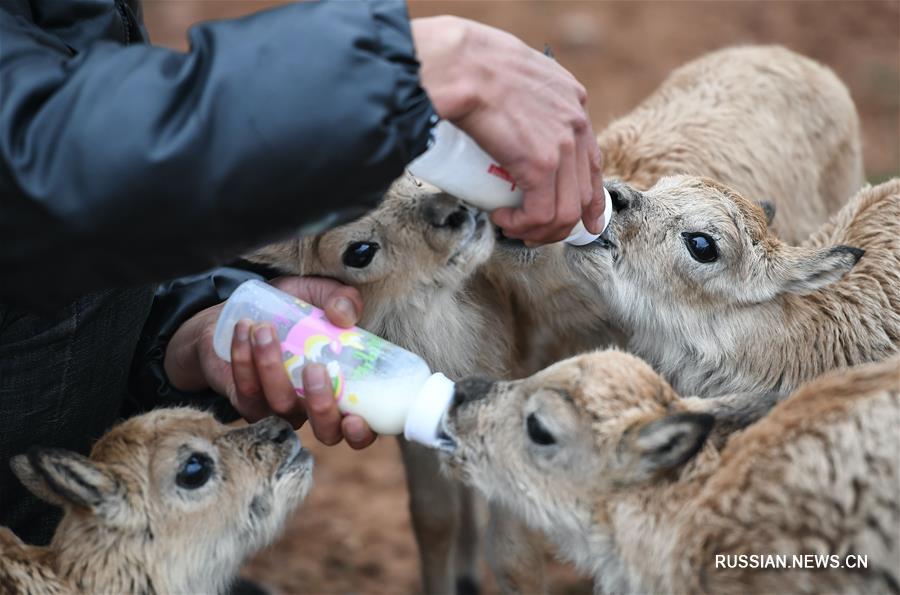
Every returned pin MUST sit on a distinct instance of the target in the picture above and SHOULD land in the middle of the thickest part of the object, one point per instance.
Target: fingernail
(262, 335)
(315, 377)
(345, 307)
(353, 427)
(242, 331)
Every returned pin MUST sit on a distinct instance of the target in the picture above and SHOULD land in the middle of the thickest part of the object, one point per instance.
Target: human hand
(526, 111)
(255, 382)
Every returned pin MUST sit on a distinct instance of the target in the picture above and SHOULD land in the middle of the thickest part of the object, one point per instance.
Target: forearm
(181, 362)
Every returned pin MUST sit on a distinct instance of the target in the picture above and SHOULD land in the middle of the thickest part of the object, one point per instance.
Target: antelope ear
(64, 478)
(768, 208)
(665, 443)
(804, 271)
(284, 256)
(733, 412)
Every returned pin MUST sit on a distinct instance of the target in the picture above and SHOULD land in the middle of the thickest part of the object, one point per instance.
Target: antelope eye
(701, 246)
(359, 255)
(195, 471)
(537, 432)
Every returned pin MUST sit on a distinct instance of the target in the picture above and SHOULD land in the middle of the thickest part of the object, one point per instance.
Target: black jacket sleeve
(120, 165)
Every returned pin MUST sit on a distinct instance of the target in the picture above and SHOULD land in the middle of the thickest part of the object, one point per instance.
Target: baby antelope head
(690, 251)
(690, 242)
(555, 445)
(171, 499)
(689, 269)
(419, 239)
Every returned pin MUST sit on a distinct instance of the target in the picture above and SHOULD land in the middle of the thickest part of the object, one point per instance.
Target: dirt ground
(353, 533)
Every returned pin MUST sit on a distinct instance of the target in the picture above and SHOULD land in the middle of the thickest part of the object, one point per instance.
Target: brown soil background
(353, 534)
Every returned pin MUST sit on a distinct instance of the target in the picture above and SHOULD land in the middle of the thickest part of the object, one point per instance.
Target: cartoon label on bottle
(314, 339)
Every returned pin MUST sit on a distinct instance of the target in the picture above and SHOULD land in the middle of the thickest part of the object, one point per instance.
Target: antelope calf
(418, 258)
(716, 303)
(602, 455)
(766, 121)
(415, 260)
(171, 501)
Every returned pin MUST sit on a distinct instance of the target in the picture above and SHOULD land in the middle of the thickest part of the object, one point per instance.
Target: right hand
(526, 111)
(255, 381)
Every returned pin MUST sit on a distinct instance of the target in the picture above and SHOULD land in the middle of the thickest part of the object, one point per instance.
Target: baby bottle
(458, 166)
(389, 387)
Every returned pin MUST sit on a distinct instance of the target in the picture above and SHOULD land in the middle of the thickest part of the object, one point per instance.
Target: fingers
(342, 304)
(551, 210)
(568, 199)
(320, 404)
(263, 388)
(248, 398)
(583, 165)
(259, 386)
(357, 432)
(329, 426)
(279, 395)
(593, 211)
(538, 208)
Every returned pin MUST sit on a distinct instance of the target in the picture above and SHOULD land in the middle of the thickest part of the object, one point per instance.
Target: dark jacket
(122, 165)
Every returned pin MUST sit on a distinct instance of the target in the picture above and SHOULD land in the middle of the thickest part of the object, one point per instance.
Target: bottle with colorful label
(388, 386)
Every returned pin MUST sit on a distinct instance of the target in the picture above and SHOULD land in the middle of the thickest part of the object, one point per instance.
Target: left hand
(255, 382)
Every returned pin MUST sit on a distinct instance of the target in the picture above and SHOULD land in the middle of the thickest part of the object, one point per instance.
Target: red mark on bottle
(496, 170)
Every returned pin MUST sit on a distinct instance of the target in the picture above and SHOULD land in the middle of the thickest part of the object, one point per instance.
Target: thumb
(342, 304)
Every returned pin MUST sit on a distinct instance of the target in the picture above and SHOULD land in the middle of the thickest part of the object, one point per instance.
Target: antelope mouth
(474, 233)
(299, 459)
(605, 242)
(447, 441)
(508, 242)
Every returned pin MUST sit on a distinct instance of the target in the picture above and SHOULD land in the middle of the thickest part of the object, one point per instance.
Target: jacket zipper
(128, 22)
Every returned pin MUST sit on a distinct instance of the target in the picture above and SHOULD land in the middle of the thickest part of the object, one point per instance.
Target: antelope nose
(471, 389)
(274, 429)
(445, 212)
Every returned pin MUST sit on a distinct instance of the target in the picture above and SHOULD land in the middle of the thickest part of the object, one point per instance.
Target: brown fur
(129, 527)
(634, 493)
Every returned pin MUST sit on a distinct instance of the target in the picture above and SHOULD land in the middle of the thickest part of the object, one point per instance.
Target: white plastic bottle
(457, 165)
(390, 387)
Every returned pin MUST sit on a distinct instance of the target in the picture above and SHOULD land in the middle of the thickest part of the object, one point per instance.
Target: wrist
(182, 361)
(450, 79)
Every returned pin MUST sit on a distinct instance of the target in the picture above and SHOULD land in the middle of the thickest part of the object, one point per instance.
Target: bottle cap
(423, 423)
(580, 236)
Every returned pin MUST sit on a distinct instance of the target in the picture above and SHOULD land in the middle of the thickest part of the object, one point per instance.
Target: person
(122, 164)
